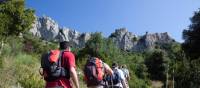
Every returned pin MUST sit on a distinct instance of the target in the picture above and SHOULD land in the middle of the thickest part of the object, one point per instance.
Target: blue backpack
(114, 79)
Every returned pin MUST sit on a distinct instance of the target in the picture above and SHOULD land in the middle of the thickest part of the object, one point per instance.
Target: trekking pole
(41, 72)
(112, 81)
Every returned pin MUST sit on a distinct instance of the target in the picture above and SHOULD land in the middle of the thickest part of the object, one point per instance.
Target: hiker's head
(121, 66)
(114, 65)
(124, 66)
(65, 45)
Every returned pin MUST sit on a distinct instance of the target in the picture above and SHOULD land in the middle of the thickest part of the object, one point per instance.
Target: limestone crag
(123, 39)
(129, 42)
(47, 29)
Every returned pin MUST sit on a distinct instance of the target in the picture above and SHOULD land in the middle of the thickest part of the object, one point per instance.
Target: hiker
(126, 73)
(117, 80)
(94, 72)
(59, 66)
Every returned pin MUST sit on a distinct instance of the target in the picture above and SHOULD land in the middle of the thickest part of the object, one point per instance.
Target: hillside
(154, 60)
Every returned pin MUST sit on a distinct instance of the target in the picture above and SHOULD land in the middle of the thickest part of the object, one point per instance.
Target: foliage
(19, 69)
(97, 46)
(157, 64)
(15, 18)
(28, 76)
(134, 39)
(187, 74)
(192, 37)
(34, 44)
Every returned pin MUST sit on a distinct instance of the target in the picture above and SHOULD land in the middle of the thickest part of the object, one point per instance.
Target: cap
(114, 65)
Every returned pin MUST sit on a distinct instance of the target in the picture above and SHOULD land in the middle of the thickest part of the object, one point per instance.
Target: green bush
(157, 65)
(135, 82)
(36, 45)
(7, 73)
(27, 71)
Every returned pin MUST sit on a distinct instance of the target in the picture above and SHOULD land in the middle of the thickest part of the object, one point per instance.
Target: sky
(138, 16)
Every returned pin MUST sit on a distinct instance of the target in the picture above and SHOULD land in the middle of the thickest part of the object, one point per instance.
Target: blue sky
(138, 16)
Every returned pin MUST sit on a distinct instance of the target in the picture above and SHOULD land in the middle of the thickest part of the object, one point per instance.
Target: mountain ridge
(48, 29)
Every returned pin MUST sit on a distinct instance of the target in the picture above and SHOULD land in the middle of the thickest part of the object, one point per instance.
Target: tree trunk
(1, 47)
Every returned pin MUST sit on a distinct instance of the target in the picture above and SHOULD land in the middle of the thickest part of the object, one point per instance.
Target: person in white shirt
(126, 74)
(122, 83)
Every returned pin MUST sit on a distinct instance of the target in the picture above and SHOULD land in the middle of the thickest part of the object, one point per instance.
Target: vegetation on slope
(20, 54)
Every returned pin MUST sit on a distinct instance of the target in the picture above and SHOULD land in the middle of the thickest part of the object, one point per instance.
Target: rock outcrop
(123, 39)
(130, 42)
(47, 29)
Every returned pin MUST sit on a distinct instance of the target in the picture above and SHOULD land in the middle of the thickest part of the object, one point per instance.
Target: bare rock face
(84, 37)
(129, 42)
(69, 35)
(149, 41)
(123, 38)
(48, 30)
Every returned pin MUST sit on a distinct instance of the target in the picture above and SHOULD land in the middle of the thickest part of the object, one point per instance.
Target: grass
(20, 71)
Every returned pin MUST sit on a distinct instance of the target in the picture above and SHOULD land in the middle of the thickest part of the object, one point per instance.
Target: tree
(188, 75)
(157, 64)
(191, 45)
(98, 46)
(93, 46)
(15, 19)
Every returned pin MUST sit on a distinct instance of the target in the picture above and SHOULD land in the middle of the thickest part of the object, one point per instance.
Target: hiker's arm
(74, 76)
(108, 69)
(128, 74)
(73, 73)
(123, 79)
(124, 84)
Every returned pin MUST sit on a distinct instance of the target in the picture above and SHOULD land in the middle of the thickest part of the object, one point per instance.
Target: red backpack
(94, 72)
(51, 64)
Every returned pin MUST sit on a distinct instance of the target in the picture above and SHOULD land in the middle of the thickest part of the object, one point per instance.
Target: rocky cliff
(130, 42)
(47, 29)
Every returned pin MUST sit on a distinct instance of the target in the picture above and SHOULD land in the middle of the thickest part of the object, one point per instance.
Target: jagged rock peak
(48, 29)
(149, 41)
(129, 42)
(158, 37)
(121, 30)
(123, 38)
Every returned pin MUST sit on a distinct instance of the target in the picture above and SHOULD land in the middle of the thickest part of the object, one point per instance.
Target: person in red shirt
(68, 61)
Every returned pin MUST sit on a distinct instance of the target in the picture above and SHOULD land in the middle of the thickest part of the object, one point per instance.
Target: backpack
(113, 79)
(51, 63)
(94, 72)
(125, 72)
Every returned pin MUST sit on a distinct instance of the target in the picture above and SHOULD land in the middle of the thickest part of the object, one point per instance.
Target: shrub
(28, 75)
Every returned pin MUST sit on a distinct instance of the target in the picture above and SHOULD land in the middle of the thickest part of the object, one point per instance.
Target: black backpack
(94, 68)
(113, 79)
(53, 70)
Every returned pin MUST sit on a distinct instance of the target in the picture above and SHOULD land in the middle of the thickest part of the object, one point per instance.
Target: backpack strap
(60, 58)
(99, 66)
